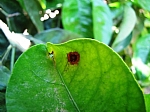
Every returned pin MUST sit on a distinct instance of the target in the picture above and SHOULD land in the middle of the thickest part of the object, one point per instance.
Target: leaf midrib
(70, 95)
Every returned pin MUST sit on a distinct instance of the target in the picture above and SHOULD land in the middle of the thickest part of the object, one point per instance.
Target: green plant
(121, 25)
(66, 77)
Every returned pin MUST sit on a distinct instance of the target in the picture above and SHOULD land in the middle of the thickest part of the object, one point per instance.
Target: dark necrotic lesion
(73, 57)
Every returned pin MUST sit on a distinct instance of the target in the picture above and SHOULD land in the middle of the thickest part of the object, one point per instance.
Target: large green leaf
(77, 17)
(79, 75)
(124, 37)
(33, 8)
(102, 21)
(141, 59)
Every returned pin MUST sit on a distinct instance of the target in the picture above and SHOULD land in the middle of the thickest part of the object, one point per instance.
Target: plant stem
(9, 15)
(12, 58)
(6, 54)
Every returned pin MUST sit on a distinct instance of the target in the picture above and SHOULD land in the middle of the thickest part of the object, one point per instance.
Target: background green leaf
(55, 35)
(33, 8)
(4, 77)
(53, 4)
(141, 59)
(77, 17)
(2, 102)
(116, 12)
(144, 4)
(102, 21)
(42, 3)
(99, 81)
(124, 37)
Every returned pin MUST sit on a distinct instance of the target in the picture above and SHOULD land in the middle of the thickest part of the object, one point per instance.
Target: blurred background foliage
(124, 25)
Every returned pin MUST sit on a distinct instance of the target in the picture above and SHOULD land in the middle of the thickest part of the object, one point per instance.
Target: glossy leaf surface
(97, 81)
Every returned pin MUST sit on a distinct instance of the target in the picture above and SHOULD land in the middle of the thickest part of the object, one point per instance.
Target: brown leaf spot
(73, 57)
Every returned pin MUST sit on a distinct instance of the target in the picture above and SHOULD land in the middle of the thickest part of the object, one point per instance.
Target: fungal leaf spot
(73, 57)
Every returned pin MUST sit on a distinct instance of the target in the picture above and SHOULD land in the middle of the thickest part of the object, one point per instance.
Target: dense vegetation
(123, 25)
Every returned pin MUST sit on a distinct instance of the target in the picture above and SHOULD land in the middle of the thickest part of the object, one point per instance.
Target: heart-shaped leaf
(79, 75)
